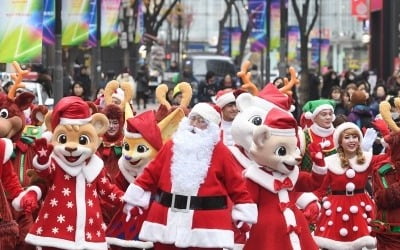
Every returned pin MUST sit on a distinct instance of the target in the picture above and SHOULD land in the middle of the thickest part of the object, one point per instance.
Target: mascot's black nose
(70, 149)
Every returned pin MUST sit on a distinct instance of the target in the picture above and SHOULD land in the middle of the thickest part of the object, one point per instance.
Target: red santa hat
(272, 94)
(70, 110)
(281, 123)
(224, 97)
(144, 126)
(206, 111)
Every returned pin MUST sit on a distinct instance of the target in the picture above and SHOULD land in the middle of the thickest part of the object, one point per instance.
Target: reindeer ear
(24, 100)
(260, 135)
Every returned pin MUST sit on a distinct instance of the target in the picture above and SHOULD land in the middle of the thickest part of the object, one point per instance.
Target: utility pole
(320, 37)
(97, 49)
(58, 72)
(283, 41)
(267, 43)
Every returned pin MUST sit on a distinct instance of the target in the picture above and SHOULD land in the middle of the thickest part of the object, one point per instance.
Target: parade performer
(143, 138)
(346, 206)
(70, 217)
(225, 100)
(321, 113)
(386, 186)
(193, 176)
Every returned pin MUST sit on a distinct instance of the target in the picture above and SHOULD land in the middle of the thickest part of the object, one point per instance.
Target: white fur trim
(320, 108)
(63, 244)
(245, 212)
(225, 99)
(16, 202)
(69, 121)
(266, 180)
(308, 115)
(80, 208)
(302, 140)
(123, 164)
(322, 132)
(185, 237)
(333, 163)
(8, 149)
(342, 127)
(135, 195)
(305, 199)
(207, 112)
(47, 135)
(244, 161)
(131, 135)
(119, 95)
(90, 170)
(365, 241)
(319, 170)
(282, 132)
(129, 243)
(39, 166)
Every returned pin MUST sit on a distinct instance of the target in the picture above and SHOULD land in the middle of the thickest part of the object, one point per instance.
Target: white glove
(369, 139)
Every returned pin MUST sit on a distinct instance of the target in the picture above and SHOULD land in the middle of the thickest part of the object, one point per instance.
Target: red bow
(284, 205)
(287, 183)
(296, 229)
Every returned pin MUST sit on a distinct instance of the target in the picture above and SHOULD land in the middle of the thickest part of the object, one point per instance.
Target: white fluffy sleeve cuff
(305, 199)
(246, 212)
(136, 196)
(16, 202)
(39, 166)
(319, 170)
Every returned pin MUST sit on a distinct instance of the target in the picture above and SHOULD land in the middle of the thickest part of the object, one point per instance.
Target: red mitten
(29, 202)
(311, 212)
(381, 126)
(43, 150)
(244, 229)
(316, 154)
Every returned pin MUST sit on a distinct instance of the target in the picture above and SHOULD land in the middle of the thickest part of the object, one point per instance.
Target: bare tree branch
(238, 15)
(314, 18)
(160, 22)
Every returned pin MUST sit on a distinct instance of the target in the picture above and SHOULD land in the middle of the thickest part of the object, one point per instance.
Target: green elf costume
(317, 133)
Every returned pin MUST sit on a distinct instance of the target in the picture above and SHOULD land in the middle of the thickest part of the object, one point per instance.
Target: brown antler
(161, 95)
(246, 78)
(287, 88)
(384, 110)
(187, 93)
(17, 77)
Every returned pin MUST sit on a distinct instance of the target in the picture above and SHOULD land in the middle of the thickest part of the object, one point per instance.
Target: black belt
(183, 202)
(348, 193)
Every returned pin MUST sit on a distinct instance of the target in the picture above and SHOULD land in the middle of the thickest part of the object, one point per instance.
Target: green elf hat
(312, 108)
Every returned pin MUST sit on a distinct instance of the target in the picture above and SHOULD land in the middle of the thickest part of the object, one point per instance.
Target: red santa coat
(70, 217)
(9, 178)
(286, 225)
(193, 228)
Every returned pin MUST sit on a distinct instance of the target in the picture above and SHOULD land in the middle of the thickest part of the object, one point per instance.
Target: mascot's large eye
(126, 146)
(142, 148)
(256, 120)
(4, 113)
(62, 139)
(84, 140)
(281, 151)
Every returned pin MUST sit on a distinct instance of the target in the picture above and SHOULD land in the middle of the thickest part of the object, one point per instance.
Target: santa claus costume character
(225, 100)
(347, 208)
(121, 233)
(193, 176)
(70, 217)
(321, 112)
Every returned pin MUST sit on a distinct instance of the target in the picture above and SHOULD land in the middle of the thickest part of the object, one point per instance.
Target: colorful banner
(109, 18)
(258, 32)
(49, 21)
(92, 41)
(275, 26)
(226, 41)
(21, 31)
(325, 45)
(360, 9)
(139, 31)
(75, 22)
(293, 40)
(236, 34)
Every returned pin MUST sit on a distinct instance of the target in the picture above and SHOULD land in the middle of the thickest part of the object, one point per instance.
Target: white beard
(191, 158)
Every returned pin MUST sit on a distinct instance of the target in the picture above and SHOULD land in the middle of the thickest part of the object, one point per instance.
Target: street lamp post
(58, 72)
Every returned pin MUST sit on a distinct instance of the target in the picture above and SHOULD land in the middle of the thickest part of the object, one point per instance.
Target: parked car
(200, 64)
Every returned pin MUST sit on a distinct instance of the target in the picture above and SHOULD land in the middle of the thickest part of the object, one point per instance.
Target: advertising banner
(92, 41)
(109, 18)
(293, 40)
(49, 21)
(21, 31)
(258, 32)
(75, 22)
(275, 26)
